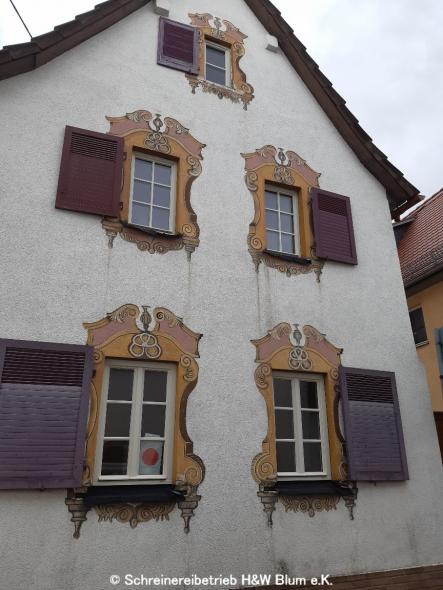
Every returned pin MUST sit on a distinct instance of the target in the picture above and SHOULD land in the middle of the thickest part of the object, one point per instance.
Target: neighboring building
(171, 263)
(420, 248)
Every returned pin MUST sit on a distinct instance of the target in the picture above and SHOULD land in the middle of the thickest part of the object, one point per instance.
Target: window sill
(420, 344)
(153, 232)
(289, 257)
(312, 488)
(115, 494)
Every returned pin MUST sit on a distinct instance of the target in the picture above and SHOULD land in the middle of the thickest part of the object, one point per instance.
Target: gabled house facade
(205, 358)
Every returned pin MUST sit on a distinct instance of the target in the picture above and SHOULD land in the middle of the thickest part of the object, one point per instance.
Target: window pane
(115, 457)
(286, 203)
(118, 419)
(284, 424)
(142, 191)
(282, 393)
(120, 384)
(151, 457)
(140, 214)
(312, 452)
(153, 420)
(215, 75)
(308, 394)
(287, 244)
(310, 424)
(160, 218)
(285, 457)
(216, 57)
(162, 195)
(162, 174)
(143, 169)
(272, 241)
(271, 220)
(271, 200)
(155, 386)
(286, 223)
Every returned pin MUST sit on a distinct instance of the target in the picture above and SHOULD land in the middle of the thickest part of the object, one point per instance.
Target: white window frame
(295, 218)
(172, 210)
(295, 379)
(135, 423)
(227, 51)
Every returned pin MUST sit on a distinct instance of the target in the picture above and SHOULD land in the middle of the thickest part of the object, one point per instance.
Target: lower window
(300, 426)
(137, 422)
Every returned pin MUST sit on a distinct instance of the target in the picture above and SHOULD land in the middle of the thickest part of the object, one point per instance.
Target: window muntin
(217, 67)
(152, 203)
(300, 426)
(418, 325)
(281, 212)
(136, 434)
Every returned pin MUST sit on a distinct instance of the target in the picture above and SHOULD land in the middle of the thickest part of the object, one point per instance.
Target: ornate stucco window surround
(164, 141)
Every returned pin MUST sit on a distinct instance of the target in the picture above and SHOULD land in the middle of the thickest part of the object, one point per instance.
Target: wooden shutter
(44, 397)
(178, 46)
(374, 435)
(332, 224)
(90, 172)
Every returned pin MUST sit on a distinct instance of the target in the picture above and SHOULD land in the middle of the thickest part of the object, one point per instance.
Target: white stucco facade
(58, 272)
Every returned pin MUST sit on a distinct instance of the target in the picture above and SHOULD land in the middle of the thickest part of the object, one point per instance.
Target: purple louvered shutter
(178, 46)
(333, 228)
(44, 399)
(374, 434)
(90, 172)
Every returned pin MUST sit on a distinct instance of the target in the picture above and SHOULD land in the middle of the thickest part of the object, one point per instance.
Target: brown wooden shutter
(90, 172)
(44, 398)
(374, 435)
(333, 228)
(178, 46)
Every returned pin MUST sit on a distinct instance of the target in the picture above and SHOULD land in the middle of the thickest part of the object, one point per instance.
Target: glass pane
(287, 244)
(272, 241)
(284, 424)
(286, 203)
(285, 457)
(115, 457)
(143, 169)
(216, 57)
(310, 424)
(140, 214)
(120, 384)
(308, 394)
(142, 191)
(162, 174)
(215, 75)
(118, 419)
(155, 386)
(162, 195)
(160, 218)
(282, 393)
(153, 420)
(286, 223)
(150, 460)
(312, 452)
(271, 200)
(271, 220)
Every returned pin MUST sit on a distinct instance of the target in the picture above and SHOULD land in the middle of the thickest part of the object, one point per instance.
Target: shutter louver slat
(44, 397)
(374, 436)
(177, 46)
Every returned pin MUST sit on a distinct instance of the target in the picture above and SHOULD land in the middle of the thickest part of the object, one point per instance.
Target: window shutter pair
(44, 400)
(373, 430)
(178, 46)
(333, 228)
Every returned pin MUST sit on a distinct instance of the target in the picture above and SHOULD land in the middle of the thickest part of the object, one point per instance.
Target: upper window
(301, 426)
(217, 64)
(418, 326)
(282, 233)
(153, 193)
(136, 434)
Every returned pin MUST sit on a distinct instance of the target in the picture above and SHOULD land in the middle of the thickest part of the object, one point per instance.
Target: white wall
(58, 272)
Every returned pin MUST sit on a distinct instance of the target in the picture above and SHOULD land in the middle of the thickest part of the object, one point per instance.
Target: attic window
(217, 61)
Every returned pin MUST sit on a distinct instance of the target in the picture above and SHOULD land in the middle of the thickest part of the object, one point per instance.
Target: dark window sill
(153, 232)
(312, 488)
(289, 257)
(419, 344)
(98, 495)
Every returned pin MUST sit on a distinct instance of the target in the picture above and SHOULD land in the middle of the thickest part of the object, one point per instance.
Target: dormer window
(217, 64)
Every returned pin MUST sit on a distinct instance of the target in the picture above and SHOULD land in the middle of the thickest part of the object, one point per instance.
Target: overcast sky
(384, 57)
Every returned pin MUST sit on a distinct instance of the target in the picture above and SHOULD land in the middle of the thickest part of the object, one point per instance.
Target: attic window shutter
(333, 228)
(374, 435)
(44, 397)
(90, 172)
(178, 46)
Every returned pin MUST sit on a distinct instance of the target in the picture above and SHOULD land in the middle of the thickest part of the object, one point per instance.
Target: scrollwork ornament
(195, 166)
(283, 174)
(251, 180)
(145, 346)
(309, 504)
(155, 140)
(299, 359)
(190, 373)
(134, 514)
(262, 375)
